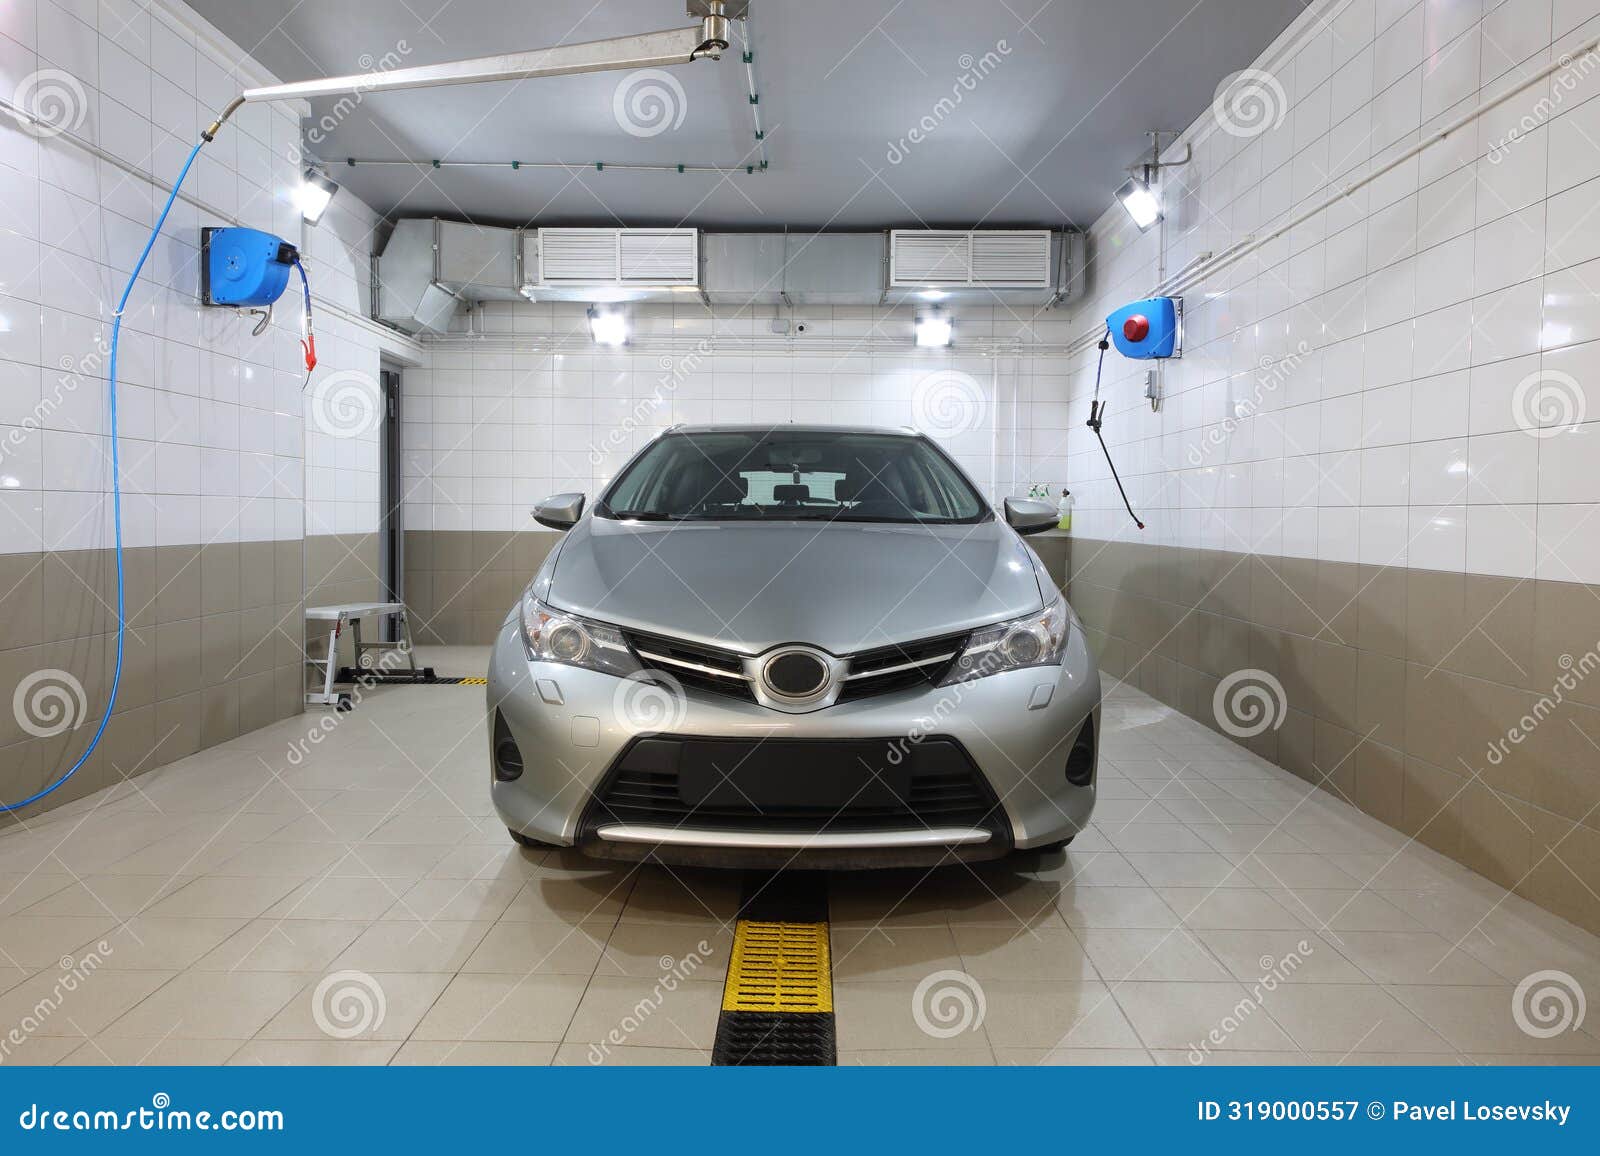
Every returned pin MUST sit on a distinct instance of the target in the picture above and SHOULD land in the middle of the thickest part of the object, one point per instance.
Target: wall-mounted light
(1141, 200)
(608, 326)
(313, 195)
(933, 329)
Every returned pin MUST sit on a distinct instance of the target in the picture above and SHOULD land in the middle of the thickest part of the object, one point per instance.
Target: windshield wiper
(645, 516)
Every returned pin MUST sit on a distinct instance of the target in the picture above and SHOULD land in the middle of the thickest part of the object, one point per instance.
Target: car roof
(794, 427)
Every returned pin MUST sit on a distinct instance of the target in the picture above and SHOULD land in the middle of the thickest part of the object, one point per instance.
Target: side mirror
(1026, 516)
(559, 512)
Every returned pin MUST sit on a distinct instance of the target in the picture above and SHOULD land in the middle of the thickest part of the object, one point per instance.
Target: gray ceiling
(1042, 139)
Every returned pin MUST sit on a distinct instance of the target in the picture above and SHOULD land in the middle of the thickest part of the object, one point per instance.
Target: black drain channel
(777, 1004)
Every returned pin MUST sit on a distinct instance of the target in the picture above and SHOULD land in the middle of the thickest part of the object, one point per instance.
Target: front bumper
(1016, 731)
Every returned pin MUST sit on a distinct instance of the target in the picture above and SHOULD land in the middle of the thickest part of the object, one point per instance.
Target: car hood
(840, 586)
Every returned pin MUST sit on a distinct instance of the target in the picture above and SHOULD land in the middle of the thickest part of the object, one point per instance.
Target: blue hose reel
(1148, 330)
(244, 268)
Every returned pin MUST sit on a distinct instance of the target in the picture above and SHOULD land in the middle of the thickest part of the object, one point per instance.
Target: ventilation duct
(430, 268)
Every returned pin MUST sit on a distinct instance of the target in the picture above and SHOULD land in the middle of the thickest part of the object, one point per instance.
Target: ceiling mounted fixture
(1140, 194)
(1141, 200)
(312, 197)
(934, 330)
(706, 39)
(608, 326)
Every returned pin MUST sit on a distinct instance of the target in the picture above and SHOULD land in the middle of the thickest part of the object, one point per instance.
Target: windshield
(788, 475)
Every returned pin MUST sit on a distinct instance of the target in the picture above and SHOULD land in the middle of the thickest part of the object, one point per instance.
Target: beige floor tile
(1186, 869)
(468, 861)
(302, 1053)
(1086, 869)
(1481, 1019)
(19, 891)
(1293, 956)
(1185, 1015)
(605, 1055)
(75, 1002)
(296, 860)
(357, 1006)
(35, 941)
(571, 896)
(1115, 907)
(104, 1051)
(626, 1011)
(1229, 908)
(897, 953)
(1368, 1019)
(513, 948)
(968, 1057)
(880, 1015)
(339, 897)
(302, 945)
(210, 1005)
(119, 895)
(1051, 1015)
(1074, 1057)
(1176, 955)
(1342, 911)
(40, 1051)
(390, 860)
(411, 945)
(1008, 901)
(534, 1008)
(1148, 836)
(1022, 953)
(225, 896)
(456, 899)
(1419, 957)
(683, 895)
(471, 1053)
(162, 942)
(1294, 872)
(646, 950)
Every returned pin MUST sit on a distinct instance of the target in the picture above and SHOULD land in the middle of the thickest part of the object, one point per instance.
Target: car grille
(936, 785)
(882, 670)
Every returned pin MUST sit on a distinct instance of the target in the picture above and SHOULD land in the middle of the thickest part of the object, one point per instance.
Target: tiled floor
(262, 901)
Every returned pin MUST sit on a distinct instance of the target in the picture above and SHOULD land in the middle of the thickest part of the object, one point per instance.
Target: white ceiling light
(608, 326)
(933, 330)
(1142, 202)
(313, 195)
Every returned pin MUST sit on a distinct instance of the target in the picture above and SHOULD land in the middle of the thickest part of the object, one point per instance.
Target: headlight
(553, 635)
(1035, 640)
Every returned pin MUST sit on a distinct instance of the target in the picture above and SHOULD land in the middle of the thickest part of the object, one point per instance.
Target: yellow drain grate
(779, 967)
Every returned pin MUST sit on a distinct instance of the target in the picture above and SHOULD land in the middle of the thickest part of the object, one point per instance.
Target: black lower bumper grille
(797, 785)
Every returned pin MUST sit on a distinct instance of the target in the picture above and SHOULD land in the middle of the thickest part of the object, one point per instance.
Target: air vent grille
(619, 257)
(981, 258)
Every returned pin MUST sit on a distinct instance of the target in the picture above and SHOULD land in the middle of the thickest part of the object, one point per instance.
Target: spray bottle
(1064, 510)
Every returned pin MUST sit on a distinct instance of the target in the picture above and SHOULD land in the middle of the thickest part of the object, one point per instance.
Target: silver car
(793, 646)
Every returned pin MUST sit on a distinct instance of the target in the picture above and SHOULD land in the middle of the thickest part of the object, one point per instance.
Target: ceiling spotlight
(932, 294)
(313, 195)
(933, 330)
(608, 326)
(1141, 201)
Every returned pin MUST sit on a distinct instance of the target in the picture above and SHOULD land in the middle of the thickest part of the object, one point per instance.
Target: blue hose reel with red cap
(1148, 330)
(244, 268)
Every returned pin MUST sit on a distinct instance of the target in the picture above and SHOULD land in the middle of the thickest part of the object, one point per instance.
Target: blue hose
(116, 489)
